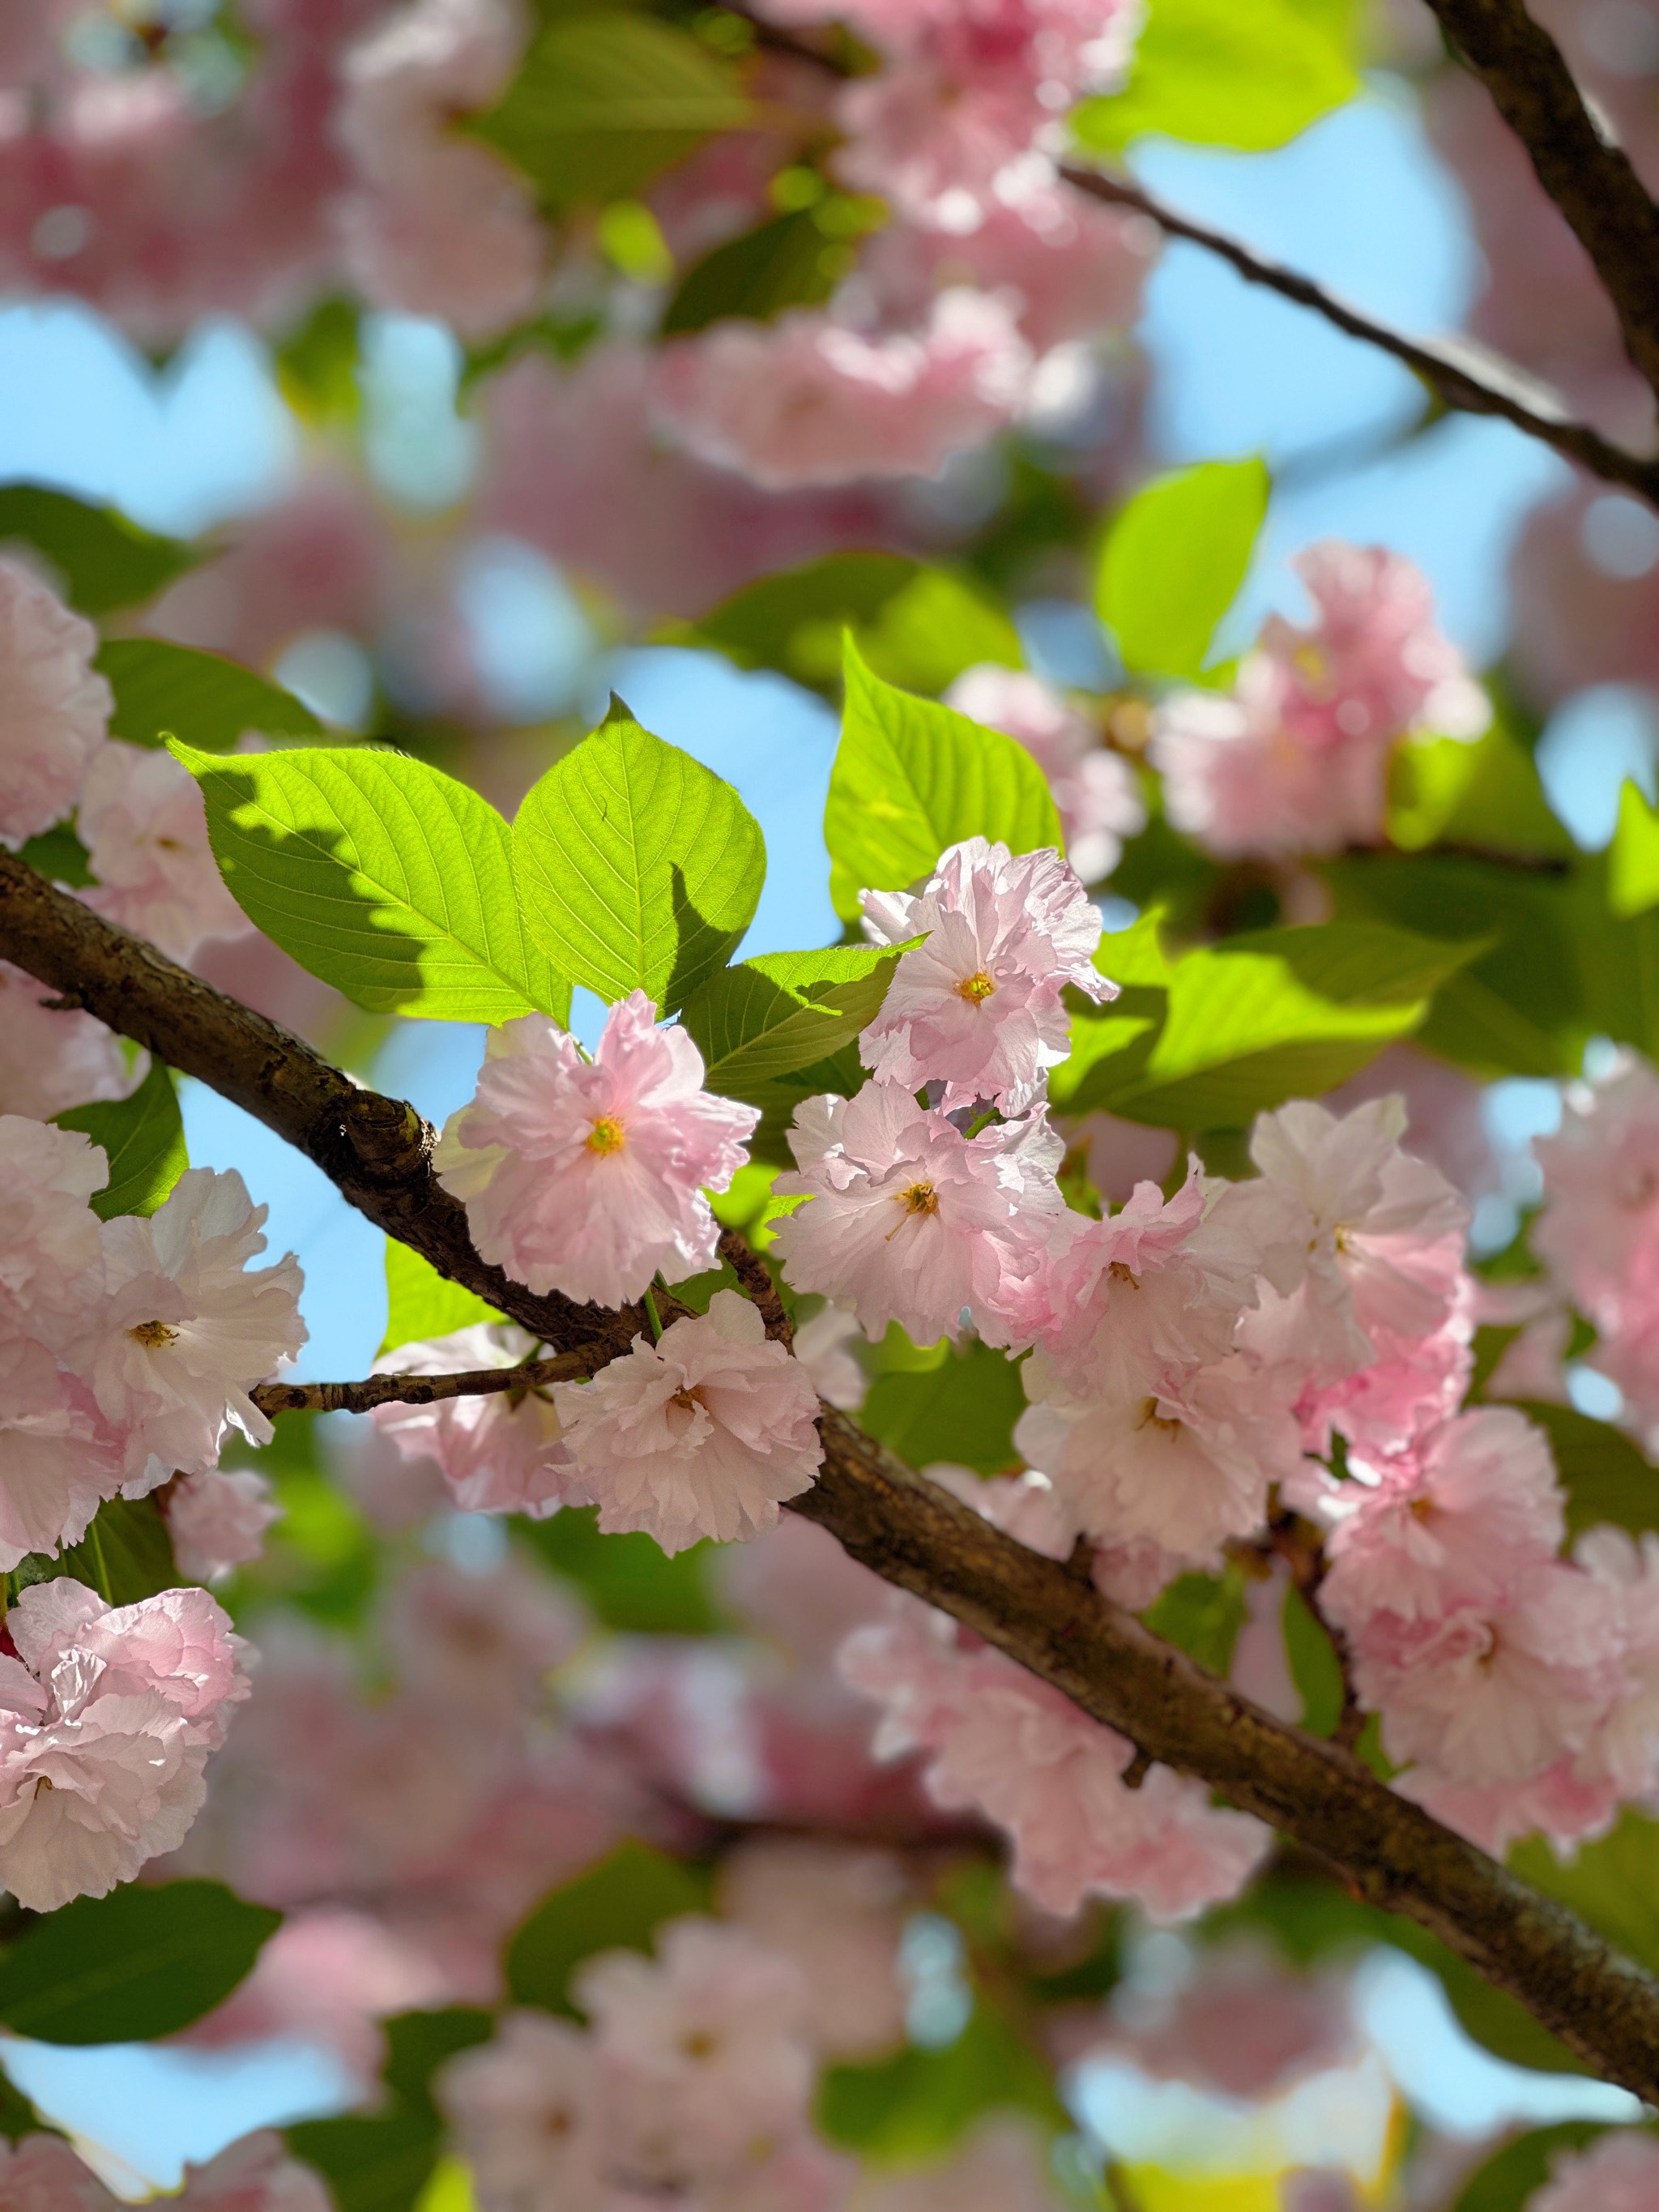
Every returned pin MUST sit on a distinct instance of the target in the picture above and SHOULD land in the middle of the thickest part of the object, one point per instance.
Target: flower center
(686, 1395)
(606, 1135)
(976, 988)
(1151, 1418)
(919, 1197)
(699, 2043)
(153, 1335)
(1119, 1274)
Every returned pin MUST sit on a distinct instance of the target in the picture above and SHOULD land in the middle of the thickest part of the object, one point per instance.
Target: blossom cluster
(42, 2173)
(690, 2085)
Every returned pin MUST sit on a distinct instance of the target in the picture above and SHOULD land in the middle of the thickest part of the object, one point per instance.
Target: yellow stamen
(976, 988)
(153, 1335)
(606, 1135)
(1151, 1418)
(916, 1198)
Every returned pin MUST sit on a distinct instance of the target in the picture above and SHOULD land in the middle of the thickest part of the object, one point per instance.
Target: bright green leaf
(317, 364)
(934, 628)
(142, 1962)
(164, 690)
(102, 560)
(960, 1406)
(786, 263)
(1510, 2178)
(604, 101)
(784, 1011)
(1445, 791)
(382, 876)
(1202, 1615)
(637, 868)
(912, 777)
(1173, 563)
(1251, 74)
(143, 1139)
(617, 1905)
(421, 1302)
(1633, 863)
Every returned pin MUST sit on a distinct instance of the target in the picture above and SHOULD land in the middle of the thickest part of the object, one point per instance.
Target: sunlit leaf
(143, 1139)
(102, 560)
(784, 1011)
(1251, 74)
(1173, 563)
(164, 690)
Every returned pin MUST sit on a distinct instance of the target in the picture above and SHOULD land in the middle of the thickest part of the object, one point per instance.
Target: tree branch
(1589, 178)
(425, 1389)
(909, 1530)
(1462, 375)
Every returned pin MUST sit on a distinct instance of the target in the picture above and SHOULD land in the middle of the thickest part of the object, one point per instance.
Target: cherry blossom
(807, 400)
(838, 1913)
(58, 1460)
(54, 706)
(821, 1346)
(185, 1329)
(1002, 2167)
(217, 1520)
(908, 1220)
(978, 1007)
(523, 2107)
(485, 1642)
(703, 1433)
(141, 819)
(1095, 791)
(106, 1719)
(51, 1252)
(255, 2174)
(53, 1057)
(501, 1454)
(1294, 759)
(1618, 2174)
(41, 2174)
(587, 1176)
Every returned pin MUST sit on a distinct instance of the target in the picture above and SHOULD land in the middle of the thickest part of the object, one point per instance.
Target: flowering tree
(994, 1434)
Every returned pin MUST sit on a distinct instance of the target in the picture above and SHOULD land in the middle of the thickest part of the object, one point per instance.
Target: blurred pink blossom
(217, 1520)
(1095, 791)
(141, 821)
(500, 1454)
(54, 706)
(53, 1057)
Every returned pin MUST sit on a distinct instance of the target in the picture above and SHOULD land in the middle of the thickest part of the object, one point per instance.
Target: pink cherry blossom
(1353, 1235)
(1006, 1745)
(484, 1642)
(50, 1253)
(1450, 1526)
(821, 1346)
(1244, 2027)
(1618, 2174)
(498, 1454)
(978, 1007)
(185, 1329)
(41, 2174)
(1002, 2167)
(58, 1460)
(523, 2108)
(1295, 758)
(54, 706)
(440, 225)
(806, 400)
(908, 1220)
(255, 2174)
(106, 1719)
(1445, 1124)
(703, 1433)
(1095, 791)
(587, 1176)
(53, 1057)
(1495, 1693)
(837, 1912)
(142, 822)
(217, 1520)
(701, 2053)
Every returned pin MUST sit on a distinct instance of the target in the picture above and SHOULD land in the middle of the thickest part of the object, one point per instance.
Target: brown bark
(916, 1535)
(374, 1391)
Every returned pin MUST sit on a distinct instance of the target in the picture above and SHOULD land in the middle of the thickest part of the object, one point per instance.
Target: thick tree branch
(426, 1390)
(914, 1533)
(1460, 376)
(1589, 178)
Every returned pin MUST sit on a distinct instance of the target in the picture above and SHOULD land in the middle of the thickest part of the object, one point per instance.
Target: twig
(916, 1534)
(1589, 178)
(423, 1389)
(1459, 373)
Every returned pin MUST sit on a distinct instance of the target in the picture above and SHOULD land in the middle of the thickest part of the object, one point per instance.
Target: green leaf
(142, 1962)
(934, 628)
(143, 1139)
(630, 1583)
(912, 777)
(1173, 563)
(1508, 2178)
(382, 876)
(606, 100)
(960, 1406)
(1316, 1669)
(59, 854)
(1633, 863)
(1443, 791)
(102, 560)
(1605, 1476)
(164, 691)
(786, 263)
(637, 868)
(421, 1302)
(915, 2106)
(1610, 1882)
(1251, 74)
(418, 2043)
(1255, 1020)
(372, 2162)
(617, 1905)
(126, 1555)
(781, 1011)
(1202, 1615)
(317, 364)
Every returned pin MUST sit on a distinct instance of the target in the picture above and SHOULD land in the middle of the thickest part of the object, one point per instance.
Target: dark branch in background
(909, 1530)
(1588, 179)
(1460, 376)
(426, 1390)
